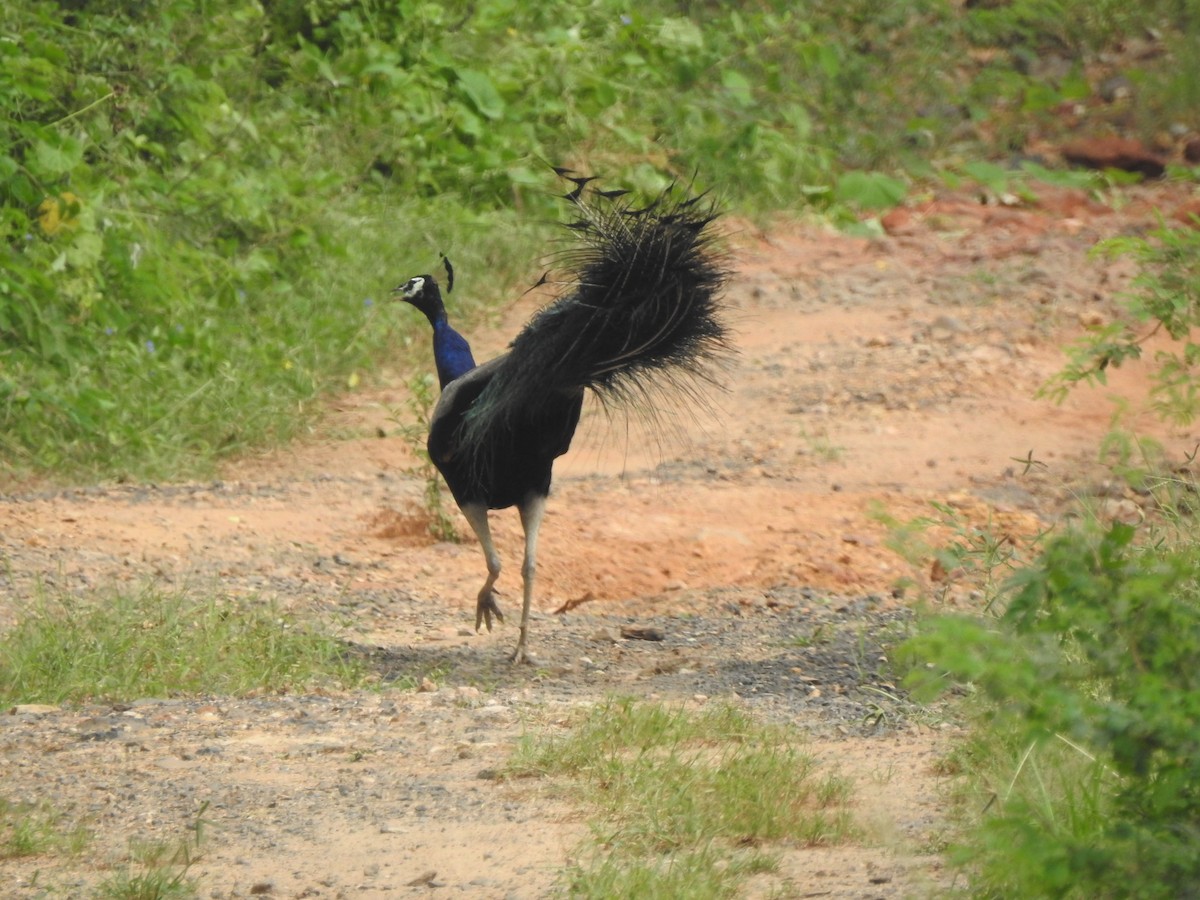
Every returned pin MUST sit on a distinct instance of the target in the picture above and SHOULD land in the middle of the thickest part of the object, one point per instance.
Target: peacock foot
(521, 655)
(485, 608)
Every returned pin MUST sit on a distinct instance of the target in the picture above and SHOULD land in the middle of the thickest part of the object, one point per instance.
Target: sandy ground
(875, 378)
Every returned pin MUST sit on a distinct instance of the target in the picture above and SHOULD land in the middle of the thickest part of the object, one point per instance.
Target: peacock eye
(414, 286)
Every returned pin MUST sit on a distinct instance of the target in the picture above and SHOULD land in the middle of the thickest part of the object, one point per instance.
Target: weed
(159, 870)
(822, 446)
(421, 403)
(945, 550)
(1165, 298)
(681, 795)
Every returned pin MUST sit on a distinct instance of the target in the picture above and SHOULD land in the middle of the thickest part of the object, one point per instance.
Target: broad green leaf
(58, 157)
(738, 86)
(869, 190)
(681, 33)
(988, 174)
(482, 93)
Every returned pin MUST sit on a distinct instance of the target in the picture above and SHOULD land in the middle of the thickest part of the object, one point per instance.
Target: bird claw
(485, 608)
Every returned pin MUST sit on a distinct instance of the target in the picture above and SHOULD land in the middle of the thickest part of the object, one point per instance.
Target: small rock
(897, 220)
(1122, 510)
(1115, 87)
(946, 327)
(642, 633)
(493, 714)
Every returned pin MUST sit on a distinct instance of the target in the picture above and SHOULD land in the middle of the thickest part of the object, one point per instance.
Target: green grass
(156, 871)
(1016, 805)
(125, 645)
(685, 803)
(35, 829)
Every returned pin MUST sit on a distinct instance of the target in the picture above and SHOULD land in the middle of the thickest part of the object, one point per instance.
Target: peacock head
(422, 292)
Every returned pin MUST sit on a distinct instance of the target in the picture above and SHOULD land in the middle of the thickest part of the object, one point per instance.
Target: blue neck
(451, 352)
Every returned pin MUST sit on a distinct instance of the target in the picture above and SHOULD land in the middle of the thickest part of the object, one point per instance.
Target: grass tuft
(34, 829)
(152, 642)
(685, 798)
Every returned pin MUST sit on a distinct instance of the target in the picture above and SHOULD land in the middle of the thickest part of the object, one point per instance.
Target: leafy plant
(1092, 670)
(1165, 297)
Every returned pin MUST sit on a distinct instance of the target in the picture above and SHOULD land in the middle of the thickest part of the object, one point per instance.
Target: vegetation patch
(685, 801)
(34, 829)
(1082, 771)
(154, 643)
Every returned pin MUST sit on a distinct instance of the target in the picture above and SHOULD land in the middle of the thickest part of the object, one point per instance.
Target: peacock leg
(485, 604)
(532, 511)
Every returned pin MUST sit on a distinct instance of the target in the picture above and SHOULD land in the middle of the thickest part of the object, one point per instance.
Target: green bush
(1097, 651)
(154, 245)
(1165, 297)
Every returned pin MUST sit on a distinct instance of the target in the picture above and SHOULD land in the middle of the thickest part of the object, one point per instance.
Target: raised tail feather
(640, 310)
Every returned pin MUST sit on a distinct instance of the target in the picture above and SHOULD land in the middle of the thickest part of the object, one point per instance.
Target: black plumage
(641, 310)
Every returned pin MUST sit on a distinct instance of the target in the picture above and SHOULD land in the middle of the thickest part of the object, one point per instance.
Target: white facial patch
(414, 287)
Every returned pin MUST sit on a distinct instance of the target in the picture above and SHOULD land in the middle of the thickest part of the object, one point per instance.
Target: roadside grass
(1015, 803)
(157, 870)
(685, 803)
(153, 642)
(34, 829)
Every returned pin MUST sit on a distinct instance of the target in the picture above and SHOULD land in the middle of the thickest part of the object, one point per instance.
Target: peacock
(641, 309)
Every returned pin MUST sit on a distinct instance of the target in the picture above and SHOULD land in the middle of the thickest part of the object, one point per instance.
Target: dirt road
(875, 378)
